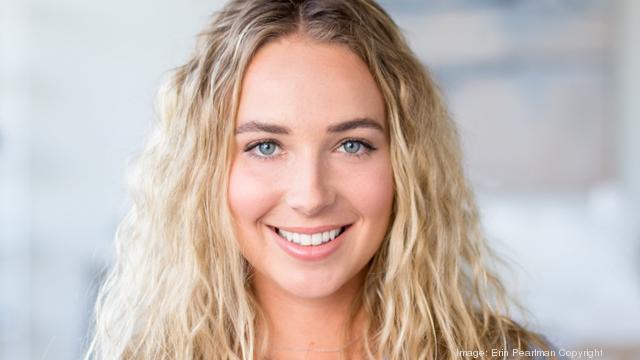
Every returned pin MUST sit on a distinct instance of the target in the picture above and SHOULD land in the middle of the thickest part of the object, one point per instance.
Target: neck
(312, 326)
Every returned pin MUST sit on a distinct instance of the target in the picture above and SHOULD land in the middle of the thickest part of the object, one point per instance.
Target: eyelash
(249, 148)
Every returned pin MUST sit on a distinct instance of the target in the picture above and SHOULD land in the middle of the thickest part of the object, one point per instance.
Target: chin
(310, 286)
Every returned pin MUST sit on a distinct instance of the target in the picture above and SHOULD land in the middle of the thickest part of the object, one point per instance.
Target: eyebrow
(255, 126)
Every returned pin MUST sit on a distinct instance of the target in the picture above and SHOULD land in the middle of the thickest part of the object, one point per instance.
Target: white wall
(627, 115)
(88, 73)
(15, 260)
(545, 95)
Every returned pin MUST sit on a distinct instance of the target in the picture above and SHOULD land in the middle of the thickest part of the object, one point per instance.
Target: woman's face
(311, 156)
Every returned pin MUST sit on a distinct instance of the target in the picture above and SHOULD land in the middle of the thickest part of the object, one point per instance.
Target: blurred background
(544, 92)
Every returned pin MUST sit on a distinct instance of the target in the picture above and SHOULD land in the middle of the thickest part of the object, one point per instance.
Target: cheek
(370, 190)
(249, 196)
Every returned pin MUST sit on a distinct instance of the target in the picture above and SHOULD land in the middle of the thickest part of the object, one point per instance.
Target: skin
(310, 177)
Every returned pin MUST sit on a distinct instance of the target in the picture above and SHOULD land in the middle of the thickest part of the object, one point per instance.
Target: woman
(302, 197)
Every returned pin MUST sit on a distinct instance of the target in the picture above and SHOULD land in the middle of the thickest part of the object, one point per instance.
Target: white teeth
(316, 239)
(310, 239)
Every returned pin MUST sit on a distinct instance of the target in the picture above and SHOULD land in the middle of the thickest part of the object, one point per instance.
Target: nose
(310, 190)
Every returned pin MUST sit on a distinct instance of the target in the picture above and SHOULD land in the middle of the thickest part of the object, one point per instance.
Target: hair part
(180, 287)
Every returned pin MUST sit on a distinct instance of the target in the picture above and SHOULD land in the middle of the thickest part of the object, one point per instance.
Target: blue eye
(355, 146)
(263, 150)
(266, 148)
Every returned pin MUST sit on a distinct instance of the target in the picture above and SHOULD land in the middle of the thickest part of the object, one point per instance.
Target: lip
(309, 253)
(311, 230)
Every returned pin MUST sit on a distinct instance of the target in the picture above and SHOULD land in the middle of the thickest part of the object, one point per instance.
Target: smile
(300, 242)
(310, 236)
(314, 239)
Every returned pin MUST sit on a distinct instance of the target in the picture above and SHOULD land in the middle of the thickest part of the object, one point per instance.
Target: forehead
(296, 80)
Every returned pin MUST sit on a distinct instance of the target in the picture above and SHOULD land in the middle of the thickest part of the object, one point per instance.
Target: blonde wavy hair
(180, 288)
